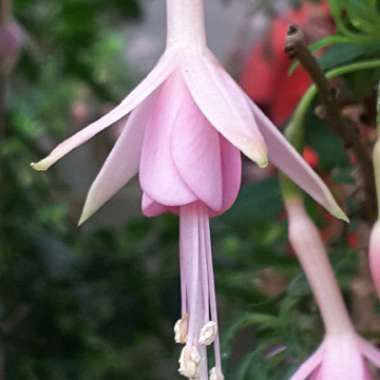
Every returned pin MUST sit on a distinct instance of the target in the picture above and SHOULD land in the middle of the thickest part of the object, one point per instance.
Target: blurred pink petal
(370, 352)
(289, 161)
(155, 78)
(342, 359)
(224, 105)
(306, 369)
(122, 163)
(374, 255)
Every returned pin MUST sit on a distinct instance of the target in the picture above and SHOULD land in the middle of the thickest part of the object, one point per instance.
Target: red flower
(265, 76)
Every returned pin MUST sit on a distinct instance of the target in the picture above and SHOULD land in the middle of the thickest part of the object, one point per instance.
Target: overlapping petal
(196, 152)
(151, 208)
(231, 174)
(288, 160)
(123, 161)
(224, 105)
(155, 78)
(159, 178)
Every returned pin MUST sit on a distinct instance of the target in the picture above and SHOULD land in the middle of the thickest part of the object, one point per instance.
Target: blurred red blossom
(265, 75)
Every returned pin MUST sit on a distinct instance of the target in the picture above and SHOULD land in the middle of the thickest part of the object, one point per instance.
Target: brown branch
(5, 10)
(348, 131)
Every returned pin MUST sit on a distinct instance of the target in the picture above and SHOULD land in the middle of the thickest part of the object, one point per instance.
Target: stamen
(181, 329)
(213, 305)
(208, 333)
(216, 374)
(189, 362)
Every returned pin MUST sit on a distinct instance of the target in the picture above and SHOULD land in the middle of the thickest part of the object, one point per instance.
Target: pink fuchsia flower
(343, 354)
(188, 122)
(374, 241)
(374, 255)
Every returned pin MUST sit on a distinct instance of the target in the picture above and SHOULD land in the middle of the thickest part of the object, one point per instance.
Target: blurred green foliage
(99, 303)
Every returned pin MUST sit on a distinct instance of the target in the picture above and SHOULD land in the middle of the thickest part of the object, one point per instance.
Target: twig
(5, 10)
(348, 131)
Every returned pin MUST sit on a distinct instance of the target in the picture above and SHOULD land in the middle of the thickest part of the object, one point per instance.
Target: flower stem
(308, 245)
(185, 24)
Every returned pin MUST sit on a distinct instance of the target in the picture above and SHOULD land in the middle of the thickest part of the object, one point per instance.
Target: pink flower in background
(374, 255)
(188, 122)
(343, 354)
(374, 241)
(11, 39)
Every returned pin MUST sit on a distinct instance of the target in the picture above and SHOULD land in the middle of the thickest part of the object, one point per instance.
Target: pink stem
(185, 24)
(307, 243)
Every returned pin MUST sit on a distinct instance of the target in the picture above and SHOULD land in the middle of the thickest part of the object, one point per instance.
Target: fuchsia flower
(343, 354)
(374, 241)
(189, 121)
(374, 255)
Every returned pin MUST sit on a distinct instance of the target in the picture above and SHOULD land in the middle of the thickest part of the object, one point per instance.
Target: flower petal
(151, 208)
(342, 359)
(310, 365)
(370, 352)
(231, 174)
(283, 155)
(232, 167)
(223, 103)
(122, 163)
(159, 178)
(155, 78)
(374, 255)
(195, 148)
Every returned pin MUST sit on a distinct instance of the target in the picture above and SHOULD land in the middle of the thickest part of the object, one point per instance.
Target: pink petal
(122, 163)
(307, 368)
(232, 166)
(287, 159)
(195, 148)
(155, 78)
(159, 178)
(374, 256)
(151, 208)
(370, 351)
(342, 359)
(224, 105)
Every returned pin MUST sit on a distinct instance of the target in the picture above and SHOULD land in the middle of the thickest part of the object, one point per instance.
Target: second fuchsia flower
(343, 354)
(189, 121)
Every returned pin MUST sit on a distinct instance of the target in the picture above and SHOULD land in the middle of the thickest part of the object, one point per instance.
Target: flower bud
(180, 330)
(208, 333)
(216, 374)
(189, 362)
(374, 255)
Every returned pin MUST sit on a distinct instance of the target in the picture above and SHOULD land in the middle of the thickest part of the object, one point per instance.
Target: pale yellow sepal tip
(263, 163)
(339, 213)
(83, 218)
(40, 166)
(37, 167)
(87, 213)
